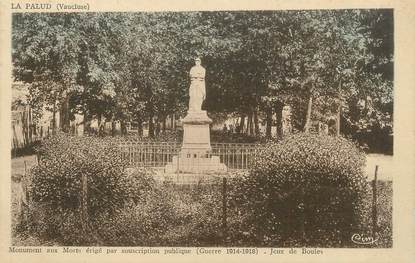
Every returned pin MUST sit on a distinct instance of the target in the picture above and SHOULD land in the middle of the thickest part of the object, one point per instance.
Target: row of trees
(134, 66)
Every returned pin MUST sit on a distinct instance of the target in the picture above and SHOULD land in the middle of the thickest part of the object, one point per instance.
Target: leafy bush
(228, 137)
(305, 190)
(56, 186)
(168, 216)
(167, 136)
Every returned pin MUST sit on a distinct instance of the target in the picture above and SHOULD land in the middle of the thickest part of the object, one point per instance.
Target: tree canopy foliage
(134, 66)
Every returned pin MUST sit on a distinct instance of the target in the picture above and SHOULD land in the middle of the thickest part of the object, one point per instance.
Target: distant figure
(197, 90)
(225, 128)
(101, 129)
(231, 128)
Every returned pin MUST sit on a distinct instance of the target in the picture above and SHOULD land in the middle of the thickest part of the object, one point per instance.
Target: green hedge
(168, 216)
(305, 190)
(56, 186)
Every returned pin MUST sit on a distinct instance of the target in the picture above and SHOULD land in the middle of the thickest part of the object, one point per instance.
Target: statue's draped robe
(197, 90)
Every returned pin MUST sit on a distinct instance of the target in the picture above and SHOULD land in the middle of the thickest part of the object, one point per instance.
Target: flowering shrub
(305, 190)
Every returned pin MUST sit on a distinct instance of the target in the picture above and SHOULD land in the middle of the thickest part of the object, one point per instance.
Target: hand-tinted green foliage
(305, 190)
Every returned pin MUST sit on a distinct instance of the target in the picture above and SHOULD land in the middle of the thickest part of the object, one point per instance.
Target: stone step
(185, 179)
(196, 165)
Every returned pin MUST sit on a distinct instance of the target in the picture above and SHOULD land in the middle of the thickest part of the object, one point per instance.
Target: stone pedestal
(195, 154)
(196, 132)
(195, 164)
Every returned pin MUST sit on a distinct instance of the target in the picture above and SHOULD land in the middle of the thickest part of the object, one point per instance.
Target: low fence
(236, 155)
(149, 154)
(157, 154)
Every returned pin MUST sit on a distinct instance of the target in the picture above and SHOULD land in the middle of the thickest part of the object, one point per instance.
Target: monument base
(195, 164)
(194, 156)
(196, 133)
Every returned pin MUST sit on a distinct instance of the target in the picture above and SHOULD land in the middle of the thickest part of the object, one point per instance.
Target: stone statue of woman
(197, 90)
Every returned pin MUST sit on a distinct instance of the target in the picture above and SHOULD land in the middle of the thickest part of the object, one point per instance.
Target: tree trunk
(246, 129)
(241, 124)
(101, 126)
(163, 126)
(64, 113)
(123, 128)
(339, 111)
(308, 115)
(151, 126)
(172, 122)
(87, 123)
(150, 110)
(256, 123)
(99, 120)
(54, 118)
(269, 123)
(249, 127)
(278, 110)
(24, 129)
(113, 128)
(338, 120)
(139, 126)
(30, 124)
(158, 126)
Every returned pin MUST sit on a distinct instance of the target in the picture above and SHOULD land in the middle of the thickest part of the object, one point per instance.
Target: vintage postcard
(196, 131)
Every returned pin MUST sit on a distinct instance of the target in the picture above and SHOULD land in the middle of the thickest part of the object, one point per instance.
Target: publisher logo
(362, 239)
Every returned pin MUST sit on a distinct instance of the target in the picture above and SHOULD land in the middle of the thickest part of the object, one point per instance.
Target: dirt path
(18, 164)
